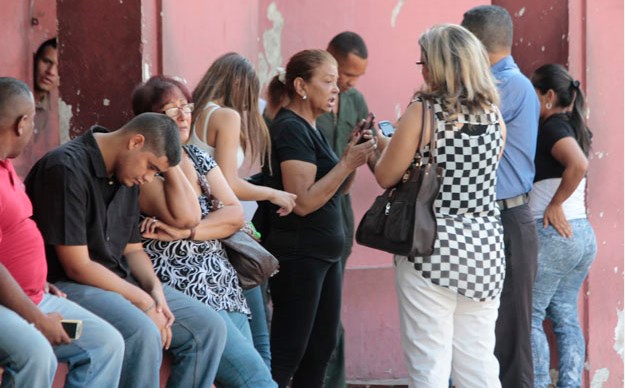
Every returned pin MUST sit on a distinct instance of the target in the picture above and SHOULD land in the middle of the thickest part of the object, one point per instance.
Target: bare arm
(299, 177)
(219, 223)
(570, 155)
(79, 267)
(226, 220)
(227, 124)
(400, 150)
(13, 297)
(171, 199)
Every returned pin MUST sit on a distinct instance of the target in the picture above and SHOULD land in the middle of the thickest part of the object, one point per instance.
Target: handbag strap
(425, 126)
(213, 202)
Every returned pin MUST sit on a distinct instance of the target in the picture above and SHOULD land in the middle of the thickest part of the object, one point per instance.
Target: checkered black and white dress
(468, 254)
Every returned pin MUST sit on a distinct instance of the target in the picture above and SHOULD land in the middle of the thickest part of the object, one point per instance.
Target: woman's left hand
(554, 216)
(153, 228)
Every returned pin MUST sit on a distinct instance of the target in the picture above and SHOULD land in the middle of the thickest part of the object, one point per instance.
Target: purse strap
(213, 202)
(427, 125)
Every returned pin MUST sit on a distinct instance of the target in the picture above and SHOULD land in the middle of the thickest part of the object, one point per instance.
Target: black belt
(509, 203)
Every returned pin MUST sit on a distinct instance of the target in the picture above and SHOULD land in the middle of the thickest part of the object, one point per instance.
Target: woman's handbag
(401, 220)
(253, 263)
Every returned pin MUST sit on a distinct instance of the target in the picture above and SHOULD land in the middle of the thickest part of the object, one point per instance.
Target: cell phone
(368, 124)
(73, 328)
(387, 128)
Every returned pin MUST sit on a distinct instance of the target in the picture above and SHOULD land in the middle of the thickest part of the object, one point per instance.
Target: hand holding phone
(367, 125)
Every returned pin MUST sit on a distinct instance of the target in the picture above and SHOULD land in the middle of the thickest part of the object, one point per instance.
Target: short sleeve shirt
(76, 203)
(21, 245)
(319, 234)
(553, 129)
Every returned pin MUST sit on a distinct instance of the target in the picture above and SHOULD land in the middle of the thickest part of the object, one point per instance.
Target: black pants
(513, 348)
(306, 296)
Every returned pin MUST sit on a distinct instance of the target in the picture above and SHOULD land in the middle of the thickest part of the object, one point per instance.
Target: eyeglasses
(175, 111)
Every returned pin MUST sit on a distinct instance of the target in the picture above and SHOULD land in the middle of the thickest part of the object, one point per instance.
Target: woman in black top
(566, 240)
(306, 293)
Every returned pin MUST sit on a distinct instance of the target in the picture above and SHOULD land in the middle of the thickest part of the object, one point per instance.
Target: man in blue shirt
(520, 110)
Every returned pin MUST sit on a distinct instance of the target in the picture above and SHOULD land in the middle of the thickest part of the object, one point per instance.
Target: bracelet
(150, 307)
(192, 234)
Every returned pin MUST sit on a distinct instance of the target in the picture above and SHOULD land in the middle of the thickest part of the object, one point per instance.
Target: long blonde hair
(232, 80)
(459, 69)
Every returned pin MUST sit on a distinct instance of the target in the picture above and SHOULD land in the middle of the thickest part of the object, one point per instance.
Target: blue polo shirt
(520, 109)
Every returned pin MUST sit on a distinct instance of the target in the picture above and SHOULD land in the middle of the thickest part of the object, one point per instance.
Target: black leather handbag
(401, 220)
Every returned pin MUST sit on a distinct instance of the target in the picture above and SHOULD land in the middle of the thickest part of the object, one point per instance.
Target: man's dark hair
(492, 25)
(162, 136)
(9, 89)
(347, 43)
(48, 43)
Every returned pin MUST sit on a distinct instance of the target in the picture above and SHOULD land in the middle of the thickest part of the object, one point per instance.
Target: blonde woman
(448, 301)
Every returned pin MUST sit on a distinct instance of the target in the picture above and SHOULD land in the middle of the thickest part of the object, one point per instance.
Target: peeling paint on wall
(618, 333)
(553, 376)
(398, 111)
(395, 12)
(65, 116)
(601, 376)
(271, 58)
(146, 73)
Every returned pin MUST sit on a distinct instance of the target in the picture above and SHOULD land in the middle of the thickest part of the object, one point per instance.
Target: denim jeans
(258, 323)
(198, 340)
(563, 264)
(94, 360)
(241, 365)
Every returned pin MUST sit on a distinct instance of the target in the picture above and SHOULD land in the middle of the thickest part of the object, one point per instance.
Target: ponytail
(569, 94)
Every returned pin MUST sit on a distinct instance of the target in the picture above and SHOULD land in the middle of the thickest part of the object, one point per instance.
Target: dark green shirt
(337, 130)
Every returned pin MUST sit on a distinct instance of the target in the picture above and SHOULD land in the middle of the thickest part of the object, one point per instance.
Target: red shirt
(21, 245)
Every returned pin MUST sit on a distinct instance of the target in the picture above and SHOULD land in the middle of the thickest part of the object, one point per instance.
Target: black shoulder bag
(401, 220)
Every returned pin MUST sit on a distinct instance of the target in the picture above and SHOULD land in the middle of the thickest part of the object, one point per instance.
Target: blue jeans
(258, 323)
(94, 360)
(563, 264)
(198, 340)
(241, 365)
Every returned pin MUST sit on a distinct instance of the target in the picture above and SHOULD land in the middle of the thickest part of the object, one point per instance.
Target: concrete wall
(104, 55)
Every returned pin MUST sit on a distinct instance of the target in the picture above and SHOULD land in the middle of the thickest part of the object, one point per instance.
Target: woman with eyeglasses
(448, 301)
(566, 240)
(193, 260)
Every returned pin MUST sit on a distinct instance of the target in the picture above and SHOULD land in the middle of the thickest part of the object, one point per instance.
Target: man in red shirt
(32, 337)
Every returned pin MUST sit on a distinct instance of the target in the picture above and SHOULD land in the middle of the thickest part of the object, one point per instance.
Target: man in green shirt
(350, 51)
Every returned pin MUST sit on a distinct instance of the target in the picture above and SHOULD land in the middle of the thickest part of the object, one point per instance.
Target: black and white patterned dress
(199, 268)
(468, 254)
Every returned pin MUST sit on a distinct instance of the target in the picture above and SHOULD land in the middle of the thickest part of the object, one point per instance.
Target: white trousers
(445, 334)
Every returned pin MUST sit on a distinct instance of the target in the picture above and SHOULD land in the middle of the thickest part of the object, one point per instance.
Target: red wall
(107, 48)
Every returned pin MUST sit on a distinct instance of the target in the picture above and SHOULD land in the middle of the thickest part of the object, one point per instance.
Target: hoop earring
(548, 105)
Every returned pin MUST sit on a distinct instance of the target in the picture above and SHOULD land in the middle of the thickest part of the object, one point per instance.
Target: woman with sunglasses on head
(448, 301)
(192, 259)
(566, 241)
(228, 125)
